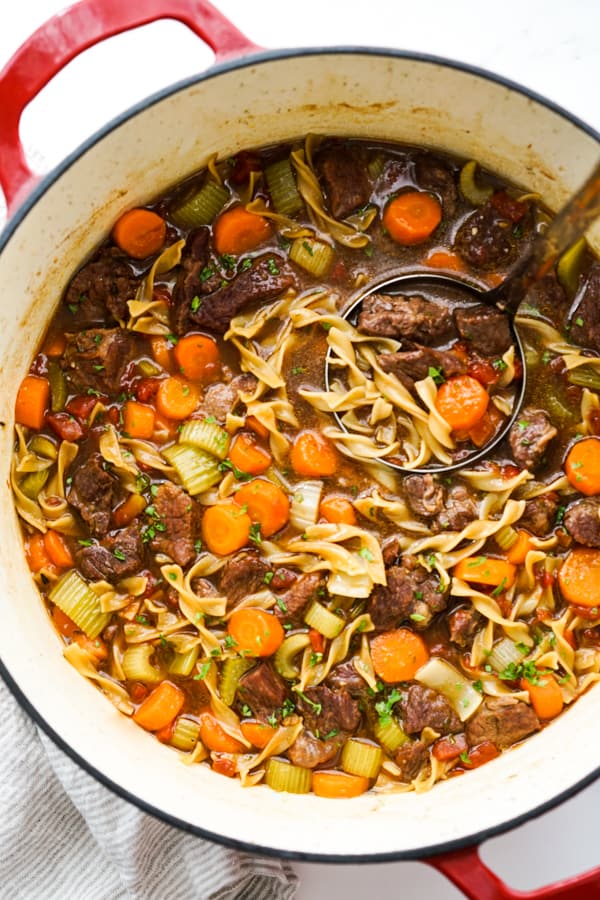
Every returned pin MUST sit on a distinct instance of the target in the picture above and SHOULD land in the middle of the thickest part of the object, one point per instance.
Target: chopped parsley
(281, 604)
(499, 365)
(436, 374)
(478, 685)
(142, 620)
(238, 474)
(417, 617)
(196, 304)
(202, 672)
(272, 266)
(255, 535)
(316, 706)
(298, 370)
(366, 554)
(230, 642)
(246, 711)
(308, 248)
(206, 272)
(269, 578)
(464, 756)
(315, 658)
(246, 264)
(118, 554)
(516, 671)
(384, 707)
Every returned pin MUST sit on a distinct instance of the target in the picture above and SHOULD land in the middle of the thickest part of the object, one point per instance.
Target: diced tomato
(339, 272)
(589, 613)
(146, 389)
(165, 734)
(223, 764)
(480, 755)
(138, 692)
(244, 163)
(508, 207)
(317, 641)
(81, 406)
(594, 421)
(509, 471)
(518, 367)
(483, 371)
(448, 748)
(65, 426)
(161, 293)
(113, 414)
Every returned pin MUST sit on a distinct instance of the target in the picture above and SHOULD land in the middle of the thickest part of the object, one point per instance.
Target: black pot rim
(38, 191)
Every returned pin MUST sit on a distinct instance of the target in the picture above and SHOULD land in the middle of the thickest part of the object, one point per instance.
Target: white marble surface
(551, 47)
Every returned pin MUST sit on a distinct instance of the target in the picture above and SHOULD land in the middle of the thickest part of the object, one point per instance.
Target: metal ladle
(569, 224)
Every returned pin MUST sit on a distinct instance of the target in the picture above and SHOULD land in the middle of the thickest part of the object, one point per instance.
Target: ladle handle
(569, 224)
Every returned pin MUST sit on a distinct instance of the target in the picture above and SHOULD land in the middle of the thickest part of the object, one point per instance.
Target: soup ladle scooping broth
(416, 397)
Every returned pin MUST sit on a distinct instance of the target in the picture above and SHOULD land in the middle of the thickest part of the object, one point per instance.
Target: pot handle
(68, 34)
(465, 869)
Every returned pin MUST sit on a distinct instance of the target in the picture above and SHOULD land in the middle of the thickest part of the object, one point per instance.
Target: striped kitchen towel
(63, 836)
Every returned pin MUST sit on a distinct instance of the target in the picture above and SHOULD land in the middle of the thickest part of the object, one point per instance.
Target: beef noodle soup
(214, 530)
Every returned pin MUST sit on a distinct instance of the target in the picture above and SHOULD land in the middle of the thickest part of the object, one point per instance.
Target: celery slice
(569, 266)
(79, 602)
(231, 672)
(283, 776)
(361, 758)
(471, 191)
(185, 734)
(286, 653)
(507, 537)
(585, 376)
(315, 257)
(43, 446)
(202, 207)
(439, 675)
(58, 386)
(323, 620)
(206, 436)
(282, 187)
(137, 666)
(197, 469)
(503, 654)
(32, 483)
(304, 508)
(183, 663)
(390, 735)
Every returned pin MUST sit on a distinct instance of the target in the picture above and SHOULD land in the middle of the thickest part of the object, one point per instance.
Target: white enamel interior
(378, 95)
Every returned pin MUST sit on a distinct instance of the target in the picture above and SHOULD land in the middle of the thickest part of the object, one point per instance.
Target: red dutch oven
(249, 98)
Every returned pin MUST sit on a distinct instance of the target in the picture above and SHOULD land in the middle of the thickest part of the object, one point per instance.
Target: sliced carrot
(266, 504)
(398, 655)
(176, 398)
(62, 623)
(338, 785)
(128, 510)
(139, 233)
(462, 401)
(579, 577)
(57, 550)
(337, 510)
(214, 736)
(488, 570)
(257, 427)
(257, 733)
(445, 259)
(160, 707)
(582, 466)
(94, 646)
(54, 347)
(519, 550)
(237, 231)
(248, 456)
(138, 420)
(317, 641)
(32, 401)
(411, 217)
(255, 632)
(225, 528)
(36, 553)
(546, 696)
(313, 454)
(197, 357)
(162, 352)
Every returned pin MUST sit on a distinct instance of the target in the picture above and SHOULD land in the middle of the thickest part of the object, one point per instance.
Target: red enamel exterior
(38, 60)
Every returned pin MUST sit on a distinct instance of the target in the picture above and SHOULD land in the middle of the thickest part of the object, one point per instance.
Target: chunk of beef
(540, 514)
(191, 280)
(283, 579)
(97, 358)
(503, 721)
(410, 759)
(585, 323)
(92, 493)
(297, 598)
(460, 508)
(343, 172)
(98, 294)
(463, 624)
(179, 515)
(411, 594)
(391, 550)
(548, 297)
(220, 399)
(529, 437)
(486, 328)
(484, 239)
(325, 710)
(414, 365)
(411, 318)
(242, 575)
(345, 678)
(263, 690)
(582, 521)
(118, 556)
(424, 495)
(423, 707)
(434, 175)
(309, 752)
(267, 278)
